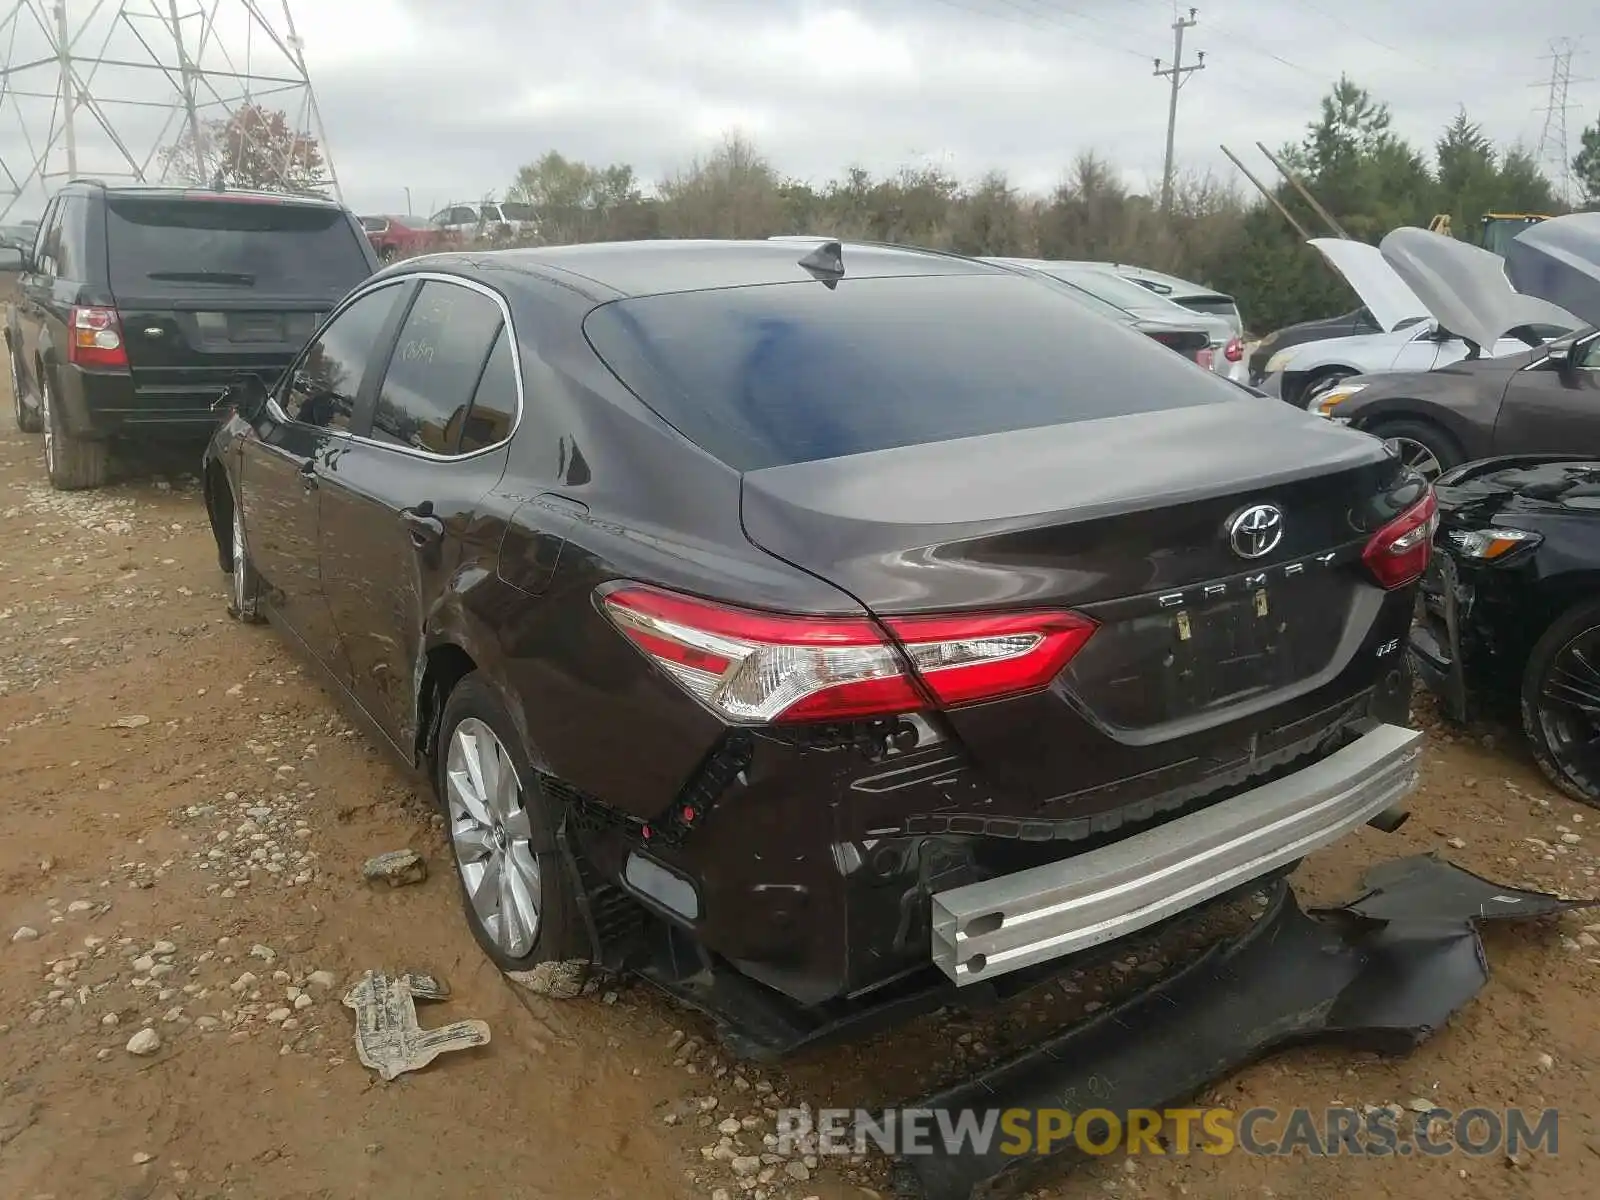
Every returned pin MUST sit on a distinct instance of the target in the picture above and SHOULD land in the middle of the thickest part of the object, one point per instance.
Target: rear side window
(444, 343)
(494, 404)
(788, 373)
(159, 246)
(1212, 306)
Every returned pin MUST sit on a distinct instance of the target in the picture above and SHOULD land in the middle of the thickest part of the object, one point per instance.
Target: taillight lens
(1398, 553)
(1234, 350)
(757, 667)
(94, 338)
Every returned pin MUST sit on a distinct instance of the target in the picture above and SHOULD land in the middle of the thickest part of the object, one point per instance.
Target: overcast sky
(449, 98)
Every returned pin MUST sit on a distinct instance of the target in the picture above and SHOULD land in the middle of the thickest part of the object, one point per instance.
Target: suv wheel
(27, 418)
(71, 463)
(244, 585)
(514, 885)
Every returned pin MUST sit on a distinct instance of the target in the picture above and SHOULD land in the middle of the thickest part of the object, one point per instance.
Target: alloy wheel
(1569, 705)
(1418, 457)
(492, 837)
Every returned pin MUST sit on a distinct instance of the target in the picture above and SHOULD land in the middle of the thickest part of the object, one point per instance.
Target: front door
(1551, 410)
(398, 511)
(299, 442)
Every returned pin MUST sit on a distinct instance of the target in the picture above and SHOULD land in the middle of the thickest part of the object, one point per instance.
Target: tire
(388, 254)
(28, 419)
(1558, 732)
(1418, 443)
(1318, 384)
(72, 463)
(516, 831)
(244, 585)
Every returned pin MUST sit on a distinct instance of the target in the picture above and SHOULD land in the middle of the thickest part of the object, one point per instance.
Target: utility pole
(1177, 72)
(69, 89)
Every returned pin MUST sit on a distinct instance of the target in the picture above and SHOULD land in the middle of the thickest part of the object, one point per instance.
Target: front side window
(327, 379)
(438, 358)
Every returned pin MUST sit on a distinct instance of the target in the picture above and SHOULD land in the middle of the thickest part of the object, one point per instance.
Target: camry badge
(1256, 531)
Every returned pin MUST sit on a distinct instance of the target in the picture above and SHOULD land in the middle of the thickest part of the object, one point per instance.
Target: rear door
(211, 287)
(299, 442)
(397, 505)
(35, 287)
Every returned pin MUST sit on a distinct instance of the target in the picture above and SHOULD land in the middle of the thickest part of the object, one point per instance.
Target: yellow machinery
(1495, 230)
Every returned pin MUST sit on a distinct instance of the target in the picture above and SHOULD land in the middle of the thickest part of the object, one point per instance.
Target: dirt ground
(185, 819)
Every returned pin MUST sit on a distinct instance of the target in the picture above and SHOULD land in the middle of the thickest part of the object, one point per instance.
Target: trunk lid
(1126, 520)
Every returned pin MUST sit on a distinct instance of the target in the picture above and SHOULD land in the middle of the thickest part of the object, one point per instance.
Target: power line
(1178, 74)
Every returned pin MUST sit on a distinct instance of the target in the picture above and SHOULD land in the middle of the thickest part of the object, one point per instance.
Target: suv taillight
(1398, 553)
(1234, 350)
(757, 667)
(94, 338)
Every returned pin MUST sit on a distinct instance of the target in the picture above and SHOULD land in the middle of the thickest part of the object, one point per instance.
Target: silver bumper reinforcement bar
(1013, 921)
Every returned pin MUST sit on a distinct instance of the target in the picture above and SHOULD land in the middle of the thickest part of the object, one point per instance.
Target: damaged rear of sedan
(818, 630)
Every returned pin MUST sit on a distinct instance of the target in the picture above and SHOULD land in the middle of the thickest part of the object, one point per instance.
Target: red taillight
(94, 338)
(755, 667)
(1234, 350)
(1398, 553)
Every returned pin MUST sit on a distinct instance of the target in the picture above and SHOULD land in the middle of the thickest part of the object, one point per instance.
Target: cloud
(448, 100)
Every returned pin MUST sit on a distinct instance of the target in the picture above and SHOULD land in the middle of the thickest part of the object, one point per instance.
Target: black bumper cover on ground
(1382, 973)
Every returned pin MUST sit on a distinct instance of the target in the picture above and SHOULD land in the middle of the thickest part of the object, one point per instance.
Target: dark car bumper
(1436, 649)
(103, 404)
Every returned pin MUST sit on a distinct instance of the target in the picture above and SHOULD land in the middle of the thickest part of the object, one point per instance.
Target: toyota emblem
(1256, 531)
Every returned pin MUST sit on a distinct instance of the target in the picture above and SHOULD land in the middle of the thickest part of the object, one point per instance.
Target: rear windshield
(159, 245)
(789, 373)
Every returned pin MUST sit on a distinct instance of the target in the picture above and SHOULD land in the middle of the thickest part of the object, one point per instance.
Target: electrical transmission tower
(1178, 73)
(1553, 150)
(137, 90)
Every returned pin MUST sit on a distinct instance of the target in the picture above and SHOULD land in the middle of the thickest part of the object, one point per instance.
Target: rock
(278, 1014)
(207, 1024)
(245, 981)
(323, 979)
(1420, 1105)
(163, 948)
(303, 1002)
(674, 1040)
(144, 964)
(1455, 843)
(111, 1020)
(78, 906)
(264, 953)
(144, 1043)
(745, 1165)
(396, 868)
(136, 721)
(800, 1173)
(25, 933)
(730, 1127)
(141, 1158)
(1545, 1062)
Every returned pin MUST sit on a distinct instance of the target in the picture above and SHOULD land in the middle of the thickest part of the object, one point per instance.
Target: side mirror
(246, 395)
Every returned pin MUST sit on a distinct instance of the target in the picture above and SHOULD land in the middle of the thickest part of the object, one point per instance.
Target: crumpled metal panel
(388, 1038)
(1381, 973)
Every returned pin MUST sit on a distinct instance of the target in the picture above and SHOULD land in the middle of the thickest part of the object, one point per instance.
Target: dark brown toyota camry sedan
(807, 625)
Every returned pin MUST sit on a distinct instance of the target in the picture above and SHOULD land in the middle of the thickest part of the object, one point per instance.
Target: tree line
(1364, 174)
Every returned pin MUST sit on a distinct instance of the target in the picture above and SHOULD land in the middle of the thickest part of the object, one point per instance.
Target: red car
(398, 237)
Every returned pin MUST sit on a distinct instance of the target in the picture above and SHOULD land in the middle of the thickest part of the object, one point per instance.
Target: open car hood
(1559, 261)
(1465, 287)
(1387, 297)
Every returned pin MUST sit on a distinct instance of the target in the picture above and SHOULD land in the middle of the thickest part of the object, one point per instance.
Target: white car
(476, 220)
(1105, 282)
(1414, 337)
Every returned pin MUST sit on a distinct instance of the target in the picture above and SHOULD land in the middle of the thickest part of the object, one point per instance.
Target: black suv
(137, 306)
